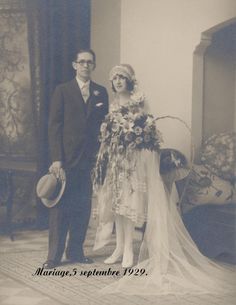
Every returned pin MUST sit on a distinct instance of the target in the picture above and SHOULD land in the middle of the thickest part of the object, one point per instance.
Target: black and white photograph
(117, 152)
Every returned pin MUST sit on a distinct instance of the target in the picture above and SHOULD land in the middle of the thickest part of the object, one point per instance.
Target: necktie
(85, 92)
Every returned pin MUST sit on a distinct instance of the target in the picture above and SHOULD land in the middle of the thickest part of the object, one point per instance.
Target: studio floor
(27, 253)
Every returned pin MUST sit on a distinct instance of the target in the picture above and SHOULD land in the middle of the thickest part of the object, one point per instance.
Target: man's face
(84, 65)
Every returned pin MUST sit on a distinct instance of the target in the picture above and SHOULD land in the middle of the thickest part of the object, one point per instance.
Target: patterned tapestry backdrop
(37, 41)
(17, 121)
(17, 130)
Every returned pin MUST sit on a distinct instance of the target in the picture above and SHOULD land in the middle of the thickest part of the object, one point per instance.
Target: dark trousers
(71, 215)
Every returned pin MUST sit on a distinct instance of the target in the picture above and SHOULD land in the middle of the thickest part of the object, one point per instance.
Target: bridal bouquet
(124, 131)
(128, 129)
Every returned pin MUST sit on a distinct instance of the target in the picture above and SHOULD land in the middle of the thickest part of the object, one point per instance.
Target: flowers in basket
(125, 130)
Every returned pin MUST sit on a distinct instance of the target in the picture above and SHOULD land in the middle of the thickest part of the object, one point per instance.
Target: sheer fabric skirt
(171, 260)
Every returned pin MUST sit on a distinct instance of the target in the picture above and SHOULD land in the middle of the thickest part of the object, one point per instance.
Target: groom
(77, 110)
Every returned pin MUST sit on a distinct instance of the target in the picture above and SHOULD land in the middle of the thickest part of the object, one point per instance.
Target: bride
(130, 191)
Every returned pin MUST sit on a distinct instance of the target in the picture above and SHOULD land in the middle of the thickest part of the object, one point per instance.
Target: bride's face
(120, 84)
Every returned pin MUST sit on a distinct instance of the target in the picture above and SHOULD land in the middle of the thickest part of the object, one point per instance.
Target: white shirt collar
(81, 83)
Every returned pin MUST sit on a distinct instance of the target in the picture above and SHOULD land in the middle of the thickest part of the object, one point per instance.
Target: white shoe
(128, 262)
(114, 258)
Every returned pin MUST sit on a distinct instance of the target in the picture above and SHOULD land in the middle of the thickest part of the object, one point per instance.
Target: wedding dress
(171, 260)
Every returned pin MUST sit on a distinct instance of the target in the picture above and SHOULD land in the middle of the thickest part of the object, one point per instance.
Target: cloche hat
(123, 69)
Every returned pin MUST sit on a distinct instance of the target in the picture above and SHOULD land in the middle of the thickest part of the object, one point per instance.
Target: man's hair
(84, 51)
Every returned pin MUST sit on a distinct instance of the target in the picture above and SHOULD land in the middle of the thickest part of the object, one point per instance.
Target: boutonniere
(96, 92)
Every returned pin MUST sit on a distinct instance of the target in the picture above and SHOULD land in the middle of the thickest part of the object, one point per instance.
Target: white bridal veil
(172, 262)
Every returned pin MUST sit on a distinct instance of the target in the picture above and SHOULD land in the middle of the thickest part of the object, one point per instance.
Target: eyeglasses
(82, 62)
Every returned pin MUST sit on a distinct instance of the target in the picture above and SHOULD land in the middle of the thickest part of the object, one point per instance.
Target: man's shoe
(80, 259)
(85, 260)
(50, 264)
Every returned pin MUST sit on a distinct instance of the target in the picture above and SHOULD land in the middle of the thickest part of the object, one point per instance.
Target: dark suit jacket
(74, 126)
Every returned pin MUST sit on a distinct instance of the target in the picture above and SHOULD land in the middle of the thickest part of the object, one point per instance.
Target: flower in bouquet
(139, 140)
(128, 126)
(103, 127)
(138, 130)
(147, 138)
(131, 146)
(129, 137)
(158, 136)
(115, 126)
(147, 129)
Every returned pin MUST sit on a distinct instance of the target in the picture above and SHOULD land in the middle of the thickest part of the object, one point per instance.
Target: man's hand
(57, 170)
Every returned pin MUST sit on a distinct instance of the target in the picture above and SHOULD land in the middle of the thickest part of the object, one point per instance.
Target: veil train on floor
(171, 260)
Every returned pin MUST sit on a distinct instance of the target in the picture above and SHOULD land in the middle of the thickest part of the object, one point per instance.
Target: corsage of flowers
(124, 131)
(219, 155)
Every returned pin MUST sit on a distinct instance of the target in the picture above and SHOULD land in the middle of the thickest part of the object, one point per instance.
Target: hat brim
(51, 203)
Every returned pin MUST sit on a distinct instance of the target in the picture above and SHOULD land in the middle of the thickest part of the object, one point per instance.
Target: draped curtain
(56, 30)
(38, 40)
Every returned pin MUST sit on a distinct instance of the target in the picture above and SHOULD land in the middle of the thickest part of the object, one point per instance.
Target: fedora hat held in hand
(50, 189)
